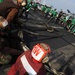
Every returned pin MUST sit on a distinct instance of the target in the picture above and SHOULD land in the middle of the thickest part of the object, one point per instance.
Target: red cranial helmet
(39, 51)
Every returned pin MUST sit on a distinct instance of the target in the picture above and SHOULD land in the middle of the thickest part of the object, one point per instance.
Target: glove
(23, 3)
(3, 22)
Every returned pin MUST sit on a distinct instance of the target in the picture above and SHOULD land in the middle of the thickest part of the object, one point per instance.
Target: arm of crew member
(11, 14)
(9, 18)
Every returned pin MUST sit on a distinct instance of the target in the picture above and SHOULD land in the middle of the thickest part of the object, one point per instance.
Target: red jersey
(25, 65)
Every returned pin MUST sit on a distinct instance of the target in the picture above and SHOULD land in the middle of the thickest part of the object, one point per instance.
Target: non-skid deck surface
(63, 47)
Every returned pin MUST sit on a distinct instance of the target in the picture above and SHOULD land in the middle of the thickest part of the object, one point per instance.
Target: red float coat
(26, 65)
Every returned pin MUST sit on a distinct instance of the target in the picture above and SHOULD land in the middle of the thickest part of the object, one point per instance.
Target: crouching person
(31, 62)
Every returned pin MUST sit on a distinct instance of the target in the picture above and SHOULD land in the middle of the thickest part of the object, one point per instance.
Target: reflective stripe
(27, 66)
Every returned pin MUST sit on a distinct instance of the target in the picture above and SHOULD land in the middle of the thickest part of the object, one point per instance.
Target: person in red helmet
(31, 62)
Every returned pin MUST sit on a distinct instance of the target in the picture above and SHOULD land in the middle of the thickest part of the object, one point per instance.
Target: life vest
(26, 66)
